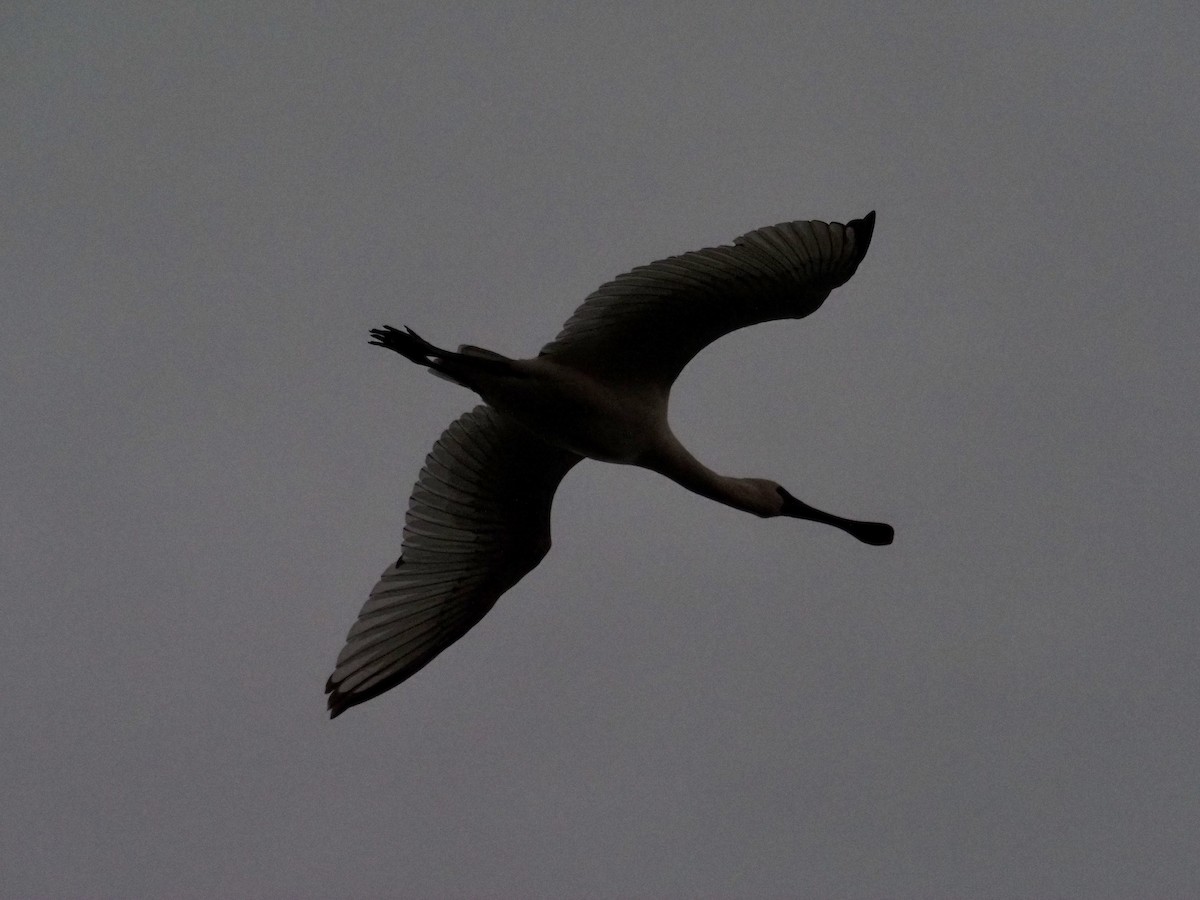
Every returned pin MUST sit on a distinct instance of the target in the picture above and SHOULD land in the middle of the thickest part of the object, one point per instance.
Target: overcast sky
(205, 208)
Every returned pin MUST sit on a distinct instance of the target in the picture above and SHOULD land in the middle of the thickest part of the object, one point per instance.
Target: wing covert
(646, 325)
(478, 521)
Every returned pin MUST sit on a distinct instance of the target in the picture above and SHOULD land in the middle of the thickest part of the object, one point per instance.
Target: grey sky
(206, 207)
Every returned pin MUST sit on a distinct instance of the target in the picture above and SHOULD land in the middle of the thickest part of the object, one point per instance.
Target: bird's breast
(570, 410)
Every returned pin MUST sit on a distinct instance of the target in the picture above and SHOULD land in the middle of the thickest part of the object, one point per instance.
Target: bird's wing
(646, 325)
(478, 521)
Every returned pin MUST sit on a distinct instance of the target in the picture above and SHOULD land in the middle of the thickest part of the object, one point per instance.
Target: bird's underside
(479, 516)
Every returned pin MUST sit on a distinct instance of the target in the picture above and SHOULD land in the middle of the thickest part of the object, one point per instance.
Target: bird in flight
(479, 517)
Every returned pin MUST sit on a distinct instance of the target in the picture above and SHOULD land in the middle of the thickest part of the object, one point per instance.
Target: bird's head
(760, 496)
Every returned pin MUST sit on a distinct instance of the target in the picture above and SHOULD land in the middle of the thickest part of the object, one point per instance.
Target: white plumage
(479, 516)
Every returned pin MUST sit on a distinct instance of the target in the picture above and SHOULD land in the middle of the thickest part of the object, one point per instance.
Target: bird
(478, 519)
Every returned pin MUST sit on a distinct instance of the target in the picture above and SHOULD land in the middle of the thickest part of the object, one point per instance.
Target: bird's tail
(457, 367)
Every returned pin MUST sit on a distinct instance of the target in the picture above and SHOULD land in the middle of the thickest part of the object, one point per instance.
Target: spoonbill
(479, 517)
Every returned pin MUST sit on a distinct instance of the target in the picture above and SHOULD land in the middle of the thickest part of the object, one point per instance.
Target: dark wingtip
(863, 229)
(337, 704)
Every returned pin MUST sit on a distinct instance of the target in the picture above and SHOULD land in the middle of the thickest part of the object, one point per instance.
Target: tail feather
(481, 352)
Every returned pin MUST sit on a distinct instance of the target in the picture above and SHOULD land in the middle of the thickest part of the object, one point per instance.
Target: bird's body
(576, 411)
(479, 516)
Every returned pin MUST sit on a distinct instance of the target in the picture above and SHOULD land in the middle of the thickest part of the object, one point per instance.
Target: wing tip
(336, 703)
(863, 229)
(339, 700)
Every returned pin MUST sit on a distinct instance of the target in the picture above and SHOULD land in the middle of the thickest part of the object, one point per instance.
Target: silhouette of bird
(479, 517)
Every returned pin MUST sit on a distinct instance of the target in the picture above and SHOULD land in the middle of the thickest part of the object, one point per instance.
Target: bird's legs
(408, 344)
(460, 368)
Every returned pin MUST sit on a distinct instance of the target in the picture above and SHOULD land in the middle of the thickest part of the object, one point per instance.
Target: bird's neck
(670, 458)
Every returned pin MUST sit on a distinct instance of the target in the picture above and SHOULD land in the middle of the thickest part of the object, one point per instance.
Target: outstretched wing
(646, 325)
(478, 521)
